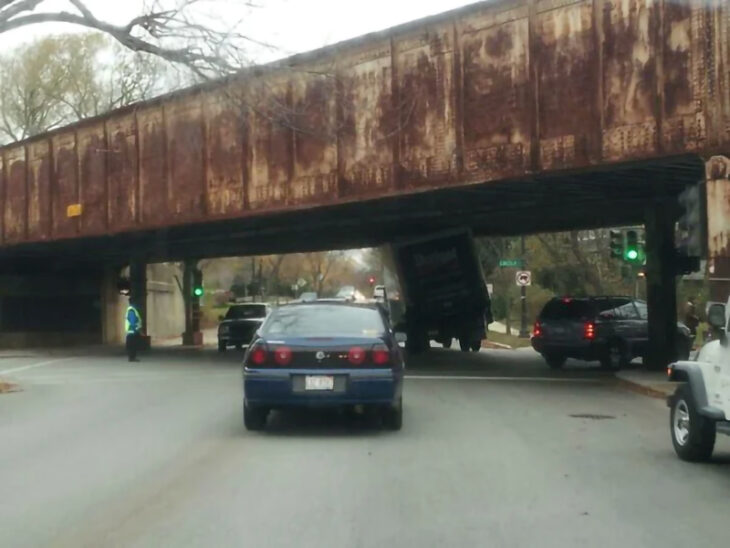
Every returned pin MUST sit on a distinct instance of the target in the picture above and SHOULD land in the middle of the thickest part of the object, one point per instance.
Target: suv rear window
(567, 309)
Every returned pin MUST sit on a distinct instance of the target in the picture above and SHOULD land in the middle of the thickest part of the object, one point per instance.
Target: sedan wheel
(393, 416)
(254, 418)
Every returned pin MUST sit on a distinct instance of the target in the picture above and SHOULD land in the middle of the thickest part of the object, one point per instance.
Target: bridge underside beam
(568, 201)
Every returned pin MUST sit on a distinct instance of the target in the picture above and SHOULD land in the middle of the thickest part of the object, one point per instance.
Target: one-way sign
(523, 278)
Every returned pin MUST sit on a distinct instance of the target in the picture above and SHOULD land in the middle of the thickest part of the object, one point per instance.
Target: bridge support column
(113, 305)
(192, 335)
(718, 227)
(138, 296)
(661, 285)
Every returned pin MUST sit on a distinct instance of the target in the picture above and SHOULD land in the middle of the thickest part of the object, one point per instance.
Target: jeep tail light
(589, 331)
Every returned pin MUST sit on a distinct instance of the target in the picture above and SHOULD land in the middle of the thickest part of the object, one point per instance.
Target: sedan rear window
(324, 320)
(246, 311)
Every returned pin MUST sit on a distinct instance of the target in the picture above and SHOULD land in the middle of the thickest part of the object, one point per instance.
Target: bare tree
(169, 29)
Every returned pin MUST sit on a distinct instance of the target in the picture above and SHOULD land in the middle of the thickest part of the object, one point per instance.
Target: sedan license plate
(319, 382)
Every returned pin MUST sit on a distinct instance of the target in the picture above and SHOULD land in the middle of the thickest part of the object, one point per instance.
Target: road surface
(98, 452)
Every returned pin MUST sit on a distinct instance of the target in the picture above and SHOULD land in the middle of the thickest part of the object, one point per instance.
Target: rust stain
(121, 157)
(496, 124)
(185, 145)
(39, 191)
(427, 133)
(64, 184)
(629, 79)
(567, 84)
(15, 215)
(366, 121)
(271, 144)
(92, 177)
(153, 196)
(314, 116)
(224, 138)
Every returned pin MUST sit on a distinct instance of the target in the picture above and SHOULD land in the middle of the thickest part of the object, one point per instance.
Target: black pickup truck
(240, 323)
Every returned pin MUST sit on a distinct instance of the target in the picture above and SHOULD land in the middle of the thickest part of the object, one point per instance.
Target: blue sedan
(319, 354)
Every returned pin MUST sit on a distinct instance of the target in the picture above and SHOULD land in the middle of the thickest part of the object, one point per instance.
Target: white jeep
(700, 407)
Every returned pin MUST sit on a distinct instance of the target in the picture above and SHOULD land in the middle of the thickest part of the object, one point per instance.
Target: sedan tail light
(283, 355)
(381, 355)
(258, 355)
(356, 355)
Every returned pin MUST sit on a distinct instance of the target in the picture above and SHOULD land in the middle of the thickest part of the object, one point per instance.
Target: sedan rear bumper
(286, 387)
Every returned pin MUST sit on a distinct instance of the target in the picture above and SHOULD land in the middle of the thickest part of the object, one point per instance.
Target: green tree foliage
(60, 79)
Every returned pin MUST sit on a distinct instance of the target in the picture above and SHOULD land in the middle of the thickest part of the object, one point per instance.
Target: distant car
(612, 330)
(347, 292)
(240, 323)
(379, 293)
(308, 296)
(323, 354)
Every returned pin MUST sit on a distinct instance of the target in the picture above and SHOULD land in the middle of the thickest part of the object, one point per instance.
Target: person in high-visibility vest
(133, 325)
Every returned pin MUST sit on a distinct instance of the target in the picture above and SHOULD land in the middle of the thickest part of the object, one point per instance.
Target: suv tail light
(537, 330)
(381, 355)
(283, 355)
(356, 355)
(589, 331)
(258, 355)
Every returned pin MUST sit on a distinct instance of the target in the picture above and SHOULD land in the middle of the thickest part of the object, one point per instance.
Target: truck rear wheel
(476, 346)
(464, 344)
(693, 436)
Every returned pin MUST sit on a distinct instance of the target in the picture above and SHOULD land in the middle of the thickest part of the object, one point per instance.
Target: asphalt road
(98, 452)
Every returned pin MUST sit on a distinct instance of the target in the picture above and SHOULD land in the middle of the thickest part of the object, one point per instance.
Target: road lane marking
(474, 378)
(34, 365)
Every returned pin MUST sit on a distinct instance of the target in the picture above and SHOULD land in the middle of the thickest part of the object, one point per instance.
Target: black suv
(612, 330)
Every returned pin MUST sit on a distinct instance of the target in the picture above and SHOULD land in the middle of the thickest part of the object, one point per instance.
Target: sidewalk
(649, 383)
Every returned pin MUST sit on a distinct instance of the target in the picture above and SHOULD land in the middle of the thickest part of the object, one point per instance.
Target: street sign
(510, 263)
(523, 278)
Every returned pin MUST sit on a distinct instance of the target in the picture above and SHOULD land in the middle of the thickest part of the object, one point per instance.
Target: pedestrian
(133, 324)
(691, 320)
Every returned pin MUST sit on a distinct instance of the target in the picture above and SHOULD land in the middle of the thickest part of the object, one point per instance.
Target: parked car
(612, 330)
(323, 354)
(700, 407)
(308, 296)
(347, 292)
(240, 323)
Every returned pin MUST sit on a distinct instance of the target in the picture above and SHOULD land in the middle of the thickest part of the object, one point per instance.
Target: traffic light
(617, 244)
(632, 251)
(198, 290)
(691, 233)
(371, 280)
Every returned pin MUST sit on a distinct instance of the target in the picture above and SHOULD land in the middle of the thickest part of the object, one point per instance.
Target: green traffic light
(632, 254)
(198, 291)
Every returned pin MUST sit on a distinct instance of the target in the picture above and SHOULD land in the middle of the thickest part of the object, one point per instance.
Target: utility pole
(524, 333)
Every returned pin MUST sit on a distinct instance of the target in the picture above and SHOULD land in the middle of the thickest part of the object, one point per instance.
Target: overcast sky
(291, 25)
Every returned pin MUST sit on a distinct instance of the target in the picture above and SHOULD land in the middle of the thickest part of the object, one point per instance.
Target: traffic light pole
(192, 335)
(524, 333)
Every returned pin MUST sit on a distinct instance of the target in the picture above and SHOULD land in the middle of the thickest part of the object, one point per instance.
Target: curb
(641, 389)
(496, 345)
